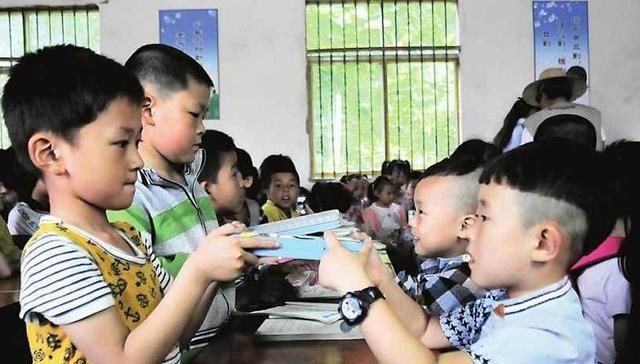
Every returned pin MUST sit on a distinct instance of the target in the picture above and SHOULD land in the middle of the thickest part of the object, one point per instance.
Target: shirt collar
(546, 294)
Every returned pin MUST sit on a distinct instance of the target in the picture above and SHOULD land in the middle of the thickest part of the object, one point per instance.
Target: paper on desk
(286, 329)
(326, 313)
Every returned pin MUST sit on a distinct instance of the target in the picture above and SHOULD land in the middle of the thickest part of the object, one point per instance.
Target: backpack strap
(606, 250)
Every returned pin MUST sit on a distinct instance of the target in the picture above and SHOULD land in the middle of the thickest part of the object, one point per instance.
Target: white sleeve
(17, 223)
(617, 291)
(61, 282)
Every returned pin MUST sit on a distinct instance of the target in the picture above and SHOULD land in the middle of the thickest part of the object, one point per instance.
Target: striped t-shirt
(68, 275)
(178, 217)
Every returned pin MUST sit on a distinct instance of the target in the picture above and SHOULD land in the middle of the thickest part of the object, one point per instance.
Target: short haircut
(166, 67)
(561, 181)
(466, 162)
(378, 186)
(476, 149)
(276, 163)
(215, 144)
(560, 87)
(247, 169)
(329, 196)
(60, 89)
(568, 126)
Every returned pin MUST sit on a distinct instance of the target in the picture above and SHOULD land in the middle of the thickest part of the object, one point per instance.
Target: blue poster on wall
(561, 36)
(195, 32)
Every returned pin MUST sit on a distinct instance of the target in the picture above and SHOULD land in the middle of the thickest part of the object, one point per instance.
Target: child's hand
(343, 270)
(221, 257)
(377, 271)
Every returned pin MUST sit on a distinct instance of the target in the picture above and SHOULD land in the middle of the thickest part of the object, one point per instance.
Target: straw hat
(579, 87)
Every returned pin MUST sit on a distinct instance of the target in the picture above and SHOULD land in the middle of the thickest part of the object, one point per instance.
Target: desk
(238, 345)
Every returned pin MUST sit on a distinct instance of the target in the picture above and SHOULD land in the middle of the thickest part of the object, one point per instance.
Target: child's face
(283, 190)
(227, 193)
(360, 190)
(386, 196)
(102, 162)
(437, 222)
(410, 191)
(500, 247)
(174, 123)
(399, 177)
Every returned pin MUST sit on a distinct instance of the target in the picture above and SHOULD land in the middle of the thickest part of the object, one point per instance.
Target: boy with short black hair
(281, 183)
(92, 291)
(169, 203)
(220, 176)
(537, 206)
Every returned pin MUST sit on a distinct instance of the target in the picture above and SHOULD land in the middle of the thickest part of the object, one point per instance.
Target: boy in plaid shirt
(444, 196)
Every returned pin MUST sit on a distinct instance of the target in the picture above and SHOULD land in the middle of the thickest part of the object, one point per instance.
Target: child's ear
(147, 108)
(247, 181)
(43, 152)
(205, 185)
(465, 224)
(549, 238)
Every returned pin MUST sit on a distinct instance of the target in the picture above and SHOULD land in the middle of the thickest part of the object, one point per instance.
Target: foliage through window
(383, 83)
(25, 30)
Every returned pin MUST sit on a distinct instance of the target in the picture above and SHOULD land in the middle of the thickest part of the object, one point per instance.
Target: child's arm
(386, 336)
(411, 315)
(620, 330)
(103, 338)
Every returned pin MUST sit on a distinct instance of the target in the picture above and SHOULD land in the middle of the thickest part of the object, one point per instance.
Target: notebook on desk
(285, 329)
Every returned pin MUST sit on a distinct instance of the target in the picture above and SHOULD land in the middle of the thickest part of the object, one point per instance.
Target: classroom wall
(263, 71)
(497, 62)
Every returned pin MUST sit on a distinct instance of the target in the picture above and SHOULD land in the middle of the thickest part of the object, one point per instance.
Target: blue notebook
(300, 247)
(302, 225)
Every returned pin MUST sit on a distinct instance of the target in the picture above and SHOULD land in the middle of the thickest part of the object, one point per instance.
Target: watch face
(350, 308)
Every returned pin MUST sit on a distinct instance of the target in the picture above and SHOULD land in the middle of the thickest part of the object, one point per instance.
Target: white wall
(263, 101)
(262, 64)
(497, 62)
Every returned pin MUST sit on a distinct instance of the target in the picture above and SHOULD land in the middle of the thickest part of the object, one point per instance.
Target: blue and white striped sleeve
(163, 276)
(61, 282)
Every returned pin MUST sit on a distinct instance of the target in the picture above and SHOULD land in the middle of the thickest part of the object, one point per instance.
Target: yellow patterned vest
(135, 289)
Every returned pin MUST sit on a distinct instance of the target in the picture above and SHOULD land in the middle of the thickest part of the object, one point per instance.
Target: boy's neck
(455, 251)
(78, 213)
(536, 280)
(154, 160)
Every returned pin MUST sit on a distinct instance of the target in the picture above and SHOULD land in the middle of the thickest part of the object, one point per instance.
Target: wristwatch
(353, 306)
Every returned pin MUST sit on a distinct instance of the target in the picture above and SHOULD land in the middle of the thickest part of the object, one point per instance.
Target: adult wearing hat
(554, 92)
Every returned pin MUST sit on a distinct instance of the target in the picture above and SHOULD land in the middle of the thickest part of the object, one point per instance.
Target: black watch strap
(369, 295)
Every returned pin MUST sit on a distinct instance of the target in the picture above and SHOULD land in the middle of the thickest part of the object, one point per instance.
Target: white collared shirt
(545, 326)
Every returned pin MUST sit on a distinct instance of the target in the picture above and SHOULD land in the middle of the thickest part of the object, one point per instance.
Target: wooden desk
(238, 345)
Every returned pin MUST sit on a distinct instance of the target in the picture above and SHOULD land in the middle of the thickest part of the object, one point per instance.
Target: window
(28, 29)
(383, 83)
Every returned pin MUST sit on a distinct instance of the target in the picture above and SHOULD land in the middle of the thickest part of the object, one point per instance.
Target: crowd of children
(123, 216)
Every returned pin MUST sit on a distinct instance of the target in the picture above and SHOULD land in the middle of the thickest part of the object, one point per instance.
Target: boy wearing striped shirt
(169, 204)
(92, 291)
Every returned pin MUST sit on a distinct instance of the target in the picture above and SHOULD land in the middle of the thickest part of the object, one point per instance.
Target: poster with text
(195, 32)
(561, 36)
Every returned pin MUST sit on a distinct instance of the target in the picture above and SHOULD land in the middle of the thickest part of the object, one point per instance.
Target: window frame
(382, 55)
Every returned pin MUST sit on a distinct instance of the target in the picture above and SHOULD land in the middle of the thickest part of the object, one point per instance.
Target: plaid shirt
(441, 286)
